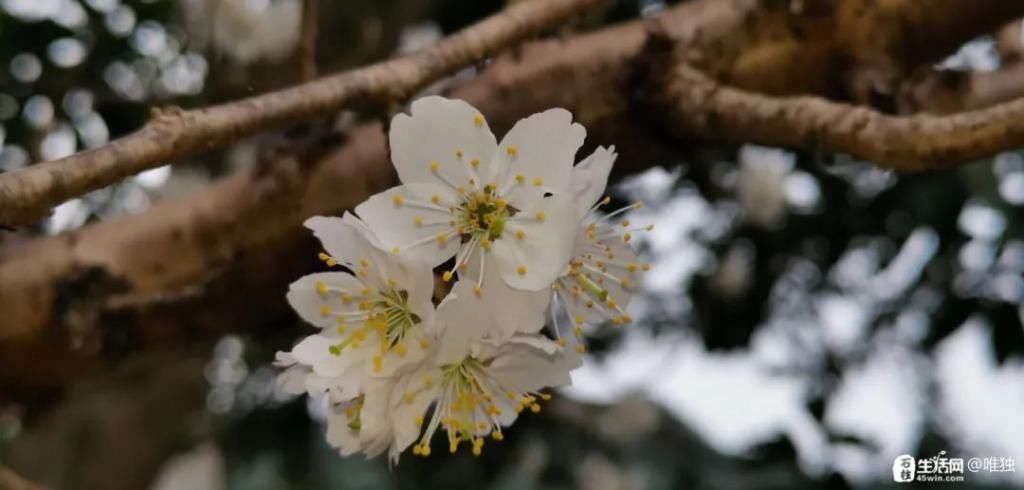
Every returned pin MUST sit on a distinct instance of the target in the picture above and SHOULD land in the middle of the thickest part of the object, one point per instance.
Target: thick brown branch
(700, 106)
(28, 194)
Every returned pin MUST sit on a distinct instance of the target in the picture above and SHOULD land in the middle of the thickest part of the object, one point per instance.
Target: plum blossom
(603, 270)
(475, 386)
(373, 318)
(465, 196)
(520, 222)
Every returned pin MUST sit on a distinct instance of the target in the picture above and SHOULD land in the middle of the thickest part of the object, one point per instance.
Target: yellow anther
(649, 227)
(365, 292)
(346, 297)
(442, 239)
(612, 304)
(638, 205)
(512, 151)
(625, 223)
(477, 450)
(419, 421)
(435, 166)
(541, 215)
(520, 234)
(458, 153)
(579, 319)
(578, 331)
(520, 178)
(323, 256)
(646, 267)
(321, 288)
(590, 303)
(581, 348)
(409, 397)
(537, 181)
(544, 396)
(631, 267)
(477, 290)
(436, 199)
(535, 408)
(616, 320)
(392, 283)
(500, 203)
(627, 319)
(331, 262)
(453, 446)
(561, 342)
(395, 250)
(486, 243)
(447, 276)
(424, 344)
(397, 199)
(428, 381)
(418, 220)
(416, 450)
(460, 189)
(511, 395)
(364, 263)
(627, 237)
(474, 163)
(606, 200)
(521, 270)
(401, 349)
(425, 450)
(497, 436)
(478, 120)
(378, 364)
(325, 311)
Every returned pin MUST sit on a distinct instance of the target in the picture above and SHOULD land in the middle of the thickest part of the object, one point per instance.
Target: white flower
(602, 271)
(475, 386)
(373, 319)
(463, 195)
(361, 424)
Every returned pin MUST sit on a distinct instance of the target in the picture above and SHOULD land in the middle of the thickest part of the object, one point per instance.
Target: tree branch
(698, 105)
(307, 49)
(28, 194)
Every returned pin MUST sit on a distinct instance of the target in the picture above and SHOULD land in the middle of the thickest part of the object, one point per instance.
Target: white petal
(524, 368)
(339, 435)
(342, 240)
(312, 350)
(307, 301)
(590, 178)
(500, 311)
(544, 147)
(293, 379)
(545, 248)
(395, 224)
(404, 413)
(283, 359)
(437, 130)
(457, 322)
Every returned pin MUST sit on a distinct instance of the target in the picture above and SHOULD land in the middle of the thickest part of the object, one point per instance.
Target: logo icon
(903, 468)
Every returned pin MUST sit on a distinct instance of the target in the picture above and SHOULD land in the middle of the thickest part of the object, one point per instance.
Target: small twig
(28, 194)
(309, 37)
(700, 106)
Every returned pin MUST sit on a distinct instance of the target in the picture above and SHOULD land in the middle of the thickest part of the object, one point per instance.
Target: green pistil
(592, 288)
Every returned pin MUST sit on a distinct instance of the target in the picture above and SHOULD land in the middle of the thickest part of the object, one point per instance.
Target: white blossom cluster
(513, 224)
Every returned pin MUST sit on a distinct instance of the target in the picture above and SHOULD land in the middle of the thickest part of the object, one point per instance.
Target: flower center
(483, 214)
(469, 406)
(388, 315)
